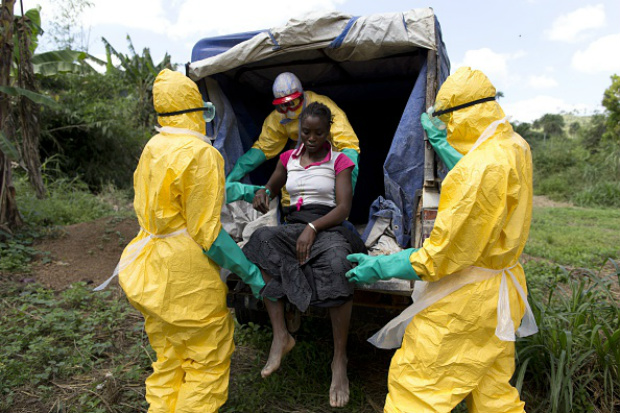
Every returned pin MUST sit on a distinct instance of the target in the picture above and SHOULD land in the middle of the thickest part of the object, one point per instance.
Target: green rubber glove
(438, 139)
(381, 267)
(227, 254)
(246, 164)
(354, 157)
(236, 191)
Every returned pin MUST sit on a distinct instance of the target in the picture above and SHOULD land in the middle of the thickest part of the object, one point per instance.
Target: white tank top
(315, 184)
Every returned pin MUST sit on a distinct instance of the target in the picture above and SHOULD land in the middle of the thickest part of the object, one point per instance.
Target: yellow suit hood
(172, 92)
(464, 126)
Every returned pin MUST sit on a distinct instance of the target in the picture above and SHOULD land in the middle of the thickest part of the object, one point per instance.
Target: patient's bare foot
(339, 389)
(280, 346)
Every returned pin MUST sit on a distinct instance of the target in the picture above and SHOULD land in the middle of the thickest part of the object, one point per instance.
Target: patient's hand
(304, 244)
(261, 201)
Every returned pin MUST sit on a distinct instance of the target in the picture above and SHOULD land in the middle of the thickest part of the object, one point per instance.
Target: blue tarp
(212, 46)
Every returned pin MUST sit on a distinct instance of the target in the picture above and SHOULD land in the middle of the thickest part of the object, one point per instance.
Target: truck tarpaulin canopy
(376, 68)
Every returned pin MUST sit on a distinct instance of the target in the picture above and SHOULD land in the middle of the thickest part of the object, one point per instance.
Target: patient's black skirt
(321, 280)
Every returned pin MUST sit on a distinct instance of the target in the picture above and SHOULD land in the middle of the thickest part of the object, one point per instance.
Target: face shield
(438, 123)
(209, 111)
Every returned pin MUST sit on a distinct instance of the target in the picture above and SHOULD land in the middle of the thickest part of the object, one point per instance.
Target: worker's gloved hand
(354, 157)
(246, 164)
(438, 139)
(227, 254)
(381, 267)
(236, 191)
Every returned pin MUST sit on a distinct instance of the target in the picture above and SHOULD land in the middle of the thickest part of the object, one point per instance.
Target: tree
(611, 137)
(95, 135)
(611, 101)
(9, 214)
(27, 28)
(19, 101)
(552, 125)
(592, 133)
(66, 29)
(525, 130)
(574, 128)
(139, 71)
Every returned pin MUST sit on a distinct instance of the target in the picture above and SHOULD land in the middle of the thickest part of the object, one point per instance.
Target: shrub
(95, 135)
(602, 193)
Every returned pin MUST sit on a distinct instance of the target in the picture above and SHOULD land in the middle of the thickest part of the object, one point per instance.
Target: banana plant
(140, 71)
(43, 64)
(64, 61)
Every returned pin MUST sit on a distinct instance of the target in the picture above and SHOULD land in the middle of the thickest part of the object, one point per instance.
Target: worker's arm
(270, 143)
(202, 197)
(438, 139)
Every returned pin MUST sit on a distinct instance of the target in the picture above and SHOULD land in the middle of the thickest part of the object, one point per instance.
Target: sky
(545, 56)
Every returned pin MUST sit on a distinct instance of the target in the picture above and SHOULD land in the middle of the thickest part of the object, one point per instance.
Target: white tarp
(368, 37)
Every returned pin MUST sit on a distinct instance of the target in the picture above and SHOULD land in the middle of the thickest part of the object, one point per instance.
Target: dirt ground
(543, 201)
(88, 252)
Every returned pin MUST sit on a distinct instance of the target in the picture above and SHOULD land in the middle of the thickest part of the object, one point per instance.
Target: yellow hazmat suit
(179, 192)
(450, 350)
(275, 135)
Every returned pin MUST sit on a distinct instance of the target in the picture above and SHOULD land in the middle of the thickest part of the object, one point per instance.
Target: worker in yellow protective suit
(281, 125)
(179, 192)
(459, 334)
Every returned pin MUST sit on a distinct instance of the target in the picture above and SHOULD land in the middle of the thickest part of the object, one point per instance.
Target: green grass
(68, 202)
(71, 351)
(581, 237)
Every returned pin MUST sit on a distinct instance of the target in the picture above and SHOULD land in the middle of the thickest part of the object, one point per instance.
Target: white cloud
(569, 27)
(198, 18)
(542, 82)
(494, 65)
(600, 56)
(137, 14)
(185, 19)
(531, 109)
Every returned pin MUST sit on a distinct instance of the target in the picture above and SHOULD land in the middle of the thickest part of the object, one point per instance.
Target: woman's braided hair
(319, 110)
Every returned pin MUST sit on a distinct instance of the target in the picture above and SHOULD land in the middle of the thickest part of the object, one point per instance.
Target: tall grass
(69, 201)
(573, 363)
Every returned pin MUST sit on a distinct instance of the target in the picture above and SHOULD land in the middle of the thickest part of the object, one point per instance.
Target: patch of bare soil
(87, 252)
(543, 201)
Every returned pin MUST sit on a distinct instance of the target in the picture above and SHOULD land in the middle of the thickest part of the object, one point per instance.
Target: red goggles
(291, 105)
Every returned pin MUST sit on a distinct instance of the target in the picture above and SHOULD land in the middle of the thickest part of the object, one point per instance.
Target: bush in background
(577, 158)
(95, 136)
